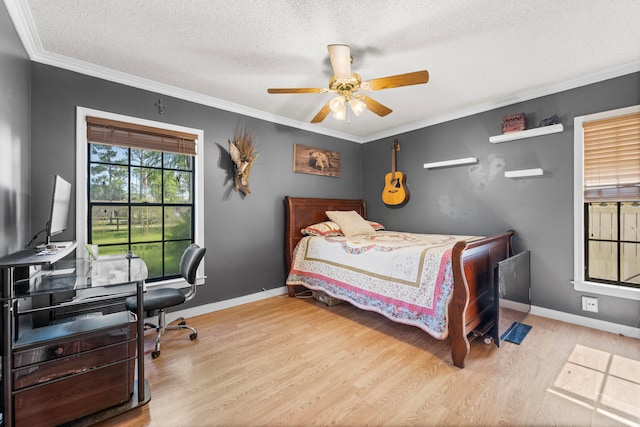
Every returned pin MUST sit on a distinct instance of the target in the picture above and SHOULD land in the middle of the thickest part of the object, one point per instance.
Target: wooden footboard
(474, 266)
(473, 304)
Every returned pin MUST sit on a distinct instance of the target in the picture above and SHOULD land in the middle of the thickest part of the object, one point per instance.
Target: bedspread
(406, 277)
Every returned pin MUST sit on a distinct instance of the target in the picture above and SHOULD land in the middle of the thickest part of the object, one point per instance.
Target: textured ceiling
(480, 54)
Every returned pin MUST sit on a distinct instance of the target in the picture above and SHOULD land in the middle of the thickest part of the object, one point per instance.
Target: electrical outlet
(590, 304)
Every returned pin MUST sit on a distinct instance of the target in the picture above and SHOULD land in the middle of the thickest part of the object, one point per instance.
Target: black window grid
(129, 205)
(618, 242)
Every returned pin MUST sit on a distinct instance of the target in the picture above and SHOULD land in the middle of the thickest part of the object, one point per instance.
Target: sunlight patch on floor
(605, 382)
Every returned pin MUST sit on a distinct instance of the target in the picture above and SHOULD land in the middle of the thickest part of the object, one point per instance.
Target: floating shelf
(528, 133)
(454, 162)
(524, 173)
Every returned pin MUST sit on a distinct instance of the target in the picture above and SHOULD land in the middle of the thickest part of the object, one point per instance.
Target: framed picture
(316, 161)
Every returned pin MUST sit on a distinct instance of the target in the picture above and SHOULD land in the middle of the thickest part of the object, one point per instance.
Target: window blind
(612, 159)
(113, 132)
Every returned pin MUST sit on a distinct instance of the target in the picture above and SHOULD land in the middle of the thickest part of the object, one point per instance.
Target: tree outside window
(142, 201)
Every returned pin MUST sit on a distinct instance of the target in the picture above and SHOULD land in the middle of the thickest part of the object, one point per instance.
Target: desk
(92, 281)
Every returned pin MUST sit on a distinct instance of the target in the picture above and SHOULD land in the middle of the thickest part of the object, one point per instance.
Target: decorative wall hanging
(315, 161)
(243, 154)
(161, 106)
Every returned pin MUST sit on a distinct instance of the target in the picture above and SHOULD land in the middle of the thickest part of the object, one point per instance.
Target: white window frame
(81, 182)
(579, 281)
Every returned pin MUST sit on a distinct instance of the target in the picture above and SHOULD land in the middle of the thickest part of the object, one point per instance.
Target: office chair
(160, 299)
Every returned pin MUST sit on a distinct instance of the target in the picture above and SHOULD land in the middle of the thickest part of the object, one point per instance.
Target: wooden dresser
(66, 371)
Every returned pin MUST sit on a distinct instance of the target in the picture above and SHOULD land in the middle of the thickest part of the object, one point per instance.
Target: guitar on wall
(394, 192)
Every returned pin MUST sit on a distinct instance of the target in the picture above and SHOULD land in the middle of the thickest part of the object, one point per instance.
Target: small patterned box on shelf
(514, 123)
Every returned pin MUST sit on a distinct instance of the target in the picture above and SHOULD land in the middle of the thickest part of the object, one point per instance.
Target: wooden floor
(293, 362)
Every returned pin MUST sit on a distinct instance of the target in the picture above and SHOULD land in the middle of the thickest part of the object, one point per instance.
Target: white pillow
(324, 228)
(351, 223)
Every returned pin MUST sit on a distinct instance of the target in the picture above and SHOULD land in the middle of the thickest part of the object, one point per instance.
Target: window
(607, 203)
(140, 189)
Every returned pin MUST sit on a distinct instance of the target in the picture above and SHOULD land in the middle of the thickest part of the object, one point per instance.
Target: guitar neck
(395, 147)
(393, 162)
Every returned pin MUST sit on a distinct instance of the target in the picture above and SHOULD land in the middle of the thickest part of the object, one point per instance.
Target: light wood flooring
(293, 362)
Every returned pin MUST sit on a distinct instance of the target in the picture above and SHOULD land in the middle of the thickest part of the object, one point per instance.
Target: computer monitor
(59, 214)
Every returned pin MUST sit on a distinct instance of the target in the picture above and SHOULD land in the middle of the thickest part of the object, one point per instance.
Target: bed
(466, 268)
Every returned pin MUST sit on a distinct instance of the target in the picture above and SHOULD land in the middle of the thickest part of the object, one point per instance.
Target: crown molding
(510, 100)
(104, 73)
(23, 22)
(25, 27)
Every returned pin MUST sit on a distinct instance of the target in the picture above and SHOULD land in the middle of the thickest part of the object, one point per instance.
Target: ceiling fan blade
(298, 90)
(408, 79)
(375, 107)
(322, 114)
(340, 57)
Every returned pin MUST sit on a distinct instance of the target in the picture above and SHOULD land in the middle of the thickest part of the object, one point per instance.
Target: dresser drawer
(46, 371)
(67, 339)
(60, 401)
(64, 350)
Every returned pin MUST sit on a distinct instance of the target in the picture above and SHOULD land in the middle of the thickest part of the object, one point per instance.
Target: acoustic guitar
(394, 192)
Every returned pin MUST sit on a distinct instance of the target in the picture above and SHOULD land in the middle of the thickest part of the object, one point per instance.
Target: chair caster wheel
(155, 354)
(193, 336)
(184, 322)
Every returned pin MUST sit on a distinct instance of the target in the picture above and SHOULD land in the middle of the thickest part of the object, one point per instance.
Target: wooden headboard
(303, 211)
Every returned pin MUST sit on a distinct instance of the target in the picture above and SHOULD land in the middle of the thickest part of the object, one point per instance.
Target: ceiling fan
(347, 84)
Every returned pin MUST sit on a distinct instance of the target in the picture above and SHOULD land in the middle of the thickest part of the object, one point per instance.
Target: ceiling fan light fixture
(346, 85)
(340, 114)
(337, 103)
(357, 106)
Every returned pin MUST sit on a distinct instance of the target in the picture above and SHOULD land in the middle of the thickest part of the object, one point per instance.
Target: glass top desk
(109, 275)
(105, 278)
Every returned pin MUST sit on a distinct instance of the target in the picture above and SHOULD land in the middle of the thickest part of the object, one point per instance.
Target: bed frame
(474, 264)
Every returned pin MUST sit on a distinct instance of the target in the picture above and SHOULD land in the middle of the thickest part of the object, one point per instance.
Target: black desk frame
(27, 258)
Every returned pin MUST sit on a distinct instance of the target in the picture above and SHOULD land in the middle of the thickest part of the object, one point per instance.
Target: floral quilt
(406, 277)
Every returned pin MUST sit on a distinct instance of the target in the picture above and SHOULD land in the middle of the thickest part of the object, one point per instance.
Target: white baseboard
(513, 305)
(221, 305)
(603, 325)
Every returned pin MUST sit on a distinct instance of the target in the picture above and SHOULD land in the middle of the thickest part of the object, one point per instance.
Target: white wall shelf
(528, 133)
(454, 162)
(522, 173)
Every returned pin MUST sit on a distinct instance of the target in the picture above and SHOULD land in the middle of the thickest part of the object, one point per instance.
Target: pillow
(326, 228)
(376, 225)
(330, 228)
(351, 223)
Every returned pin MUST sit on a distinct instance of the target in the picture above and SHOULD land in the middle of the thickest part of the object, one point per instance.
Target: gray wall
(244, 236)
(478, 199)
(15, 146)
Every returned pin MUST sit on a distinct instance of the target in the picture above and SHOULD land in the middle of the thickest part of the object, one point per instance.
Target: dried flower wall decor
(243, 153)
